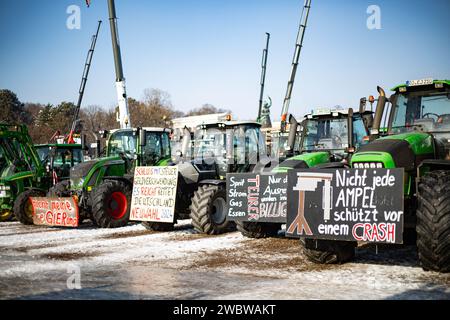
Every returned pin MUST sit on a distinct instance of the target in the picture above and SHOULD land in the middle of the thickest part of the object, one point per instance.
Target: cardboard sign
(257, 197)
(154, 193)
(59, 212)
(346, 204)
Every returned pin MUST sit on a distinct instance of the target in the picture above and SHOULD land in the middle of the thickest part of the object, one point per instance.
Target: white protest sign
(154, 194)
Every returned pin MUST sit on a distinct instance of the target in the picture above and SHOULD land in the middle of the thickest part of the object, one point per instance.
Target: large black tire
(61, 189)
(209, 210)
(257, 229)
(328, 251)
(23, 209)
(111, 202)
(158, 226)
(433, 221)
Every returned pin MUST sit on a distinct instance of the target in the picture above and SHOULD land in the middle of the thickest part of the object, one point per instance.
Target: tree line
(155, 109)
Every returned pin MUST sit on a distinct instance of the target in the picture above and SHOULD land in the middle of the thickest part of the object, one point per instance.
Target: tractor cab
(423, 106)
(144, 147)
(334, 132)
(60, 157)
(231, 146)
(329, 138)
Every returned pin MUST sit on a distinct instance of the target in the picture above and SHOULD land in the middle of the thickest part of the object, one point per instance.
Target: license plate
(421, 82)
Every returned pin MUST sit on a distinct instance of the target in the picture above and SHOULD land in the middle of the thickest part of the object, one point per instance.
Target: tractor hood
(404, 150)
(84, 172)
(305, 160)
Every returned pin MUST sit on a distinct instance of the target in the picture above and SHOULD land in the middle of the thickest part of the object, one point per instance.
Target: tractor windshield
(157, 147)
(331, 134)
(428, 111)
(239, 145)
(122, 142)
(63, 156)
(325, 134)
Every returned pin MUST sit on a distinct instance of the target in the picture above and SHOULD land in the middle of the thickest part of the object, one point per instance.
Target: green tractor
(328, 140)
(417, 139)
(21, 168)
(103, 186)
(219, 148)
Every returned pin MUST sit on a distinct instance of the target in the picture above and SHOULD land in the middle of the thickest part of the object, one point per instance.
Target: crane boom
(298, 49)
(263, 75)
(123, 117)
(84, 77)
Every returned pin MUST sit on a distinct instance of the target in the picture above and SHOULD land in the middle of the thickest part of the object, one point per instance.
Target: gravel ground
(134, 263)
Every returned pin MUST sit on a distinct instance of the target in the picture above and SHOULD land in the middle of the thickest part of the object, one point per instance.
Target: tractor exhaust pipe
(292, 135)
(375, 131)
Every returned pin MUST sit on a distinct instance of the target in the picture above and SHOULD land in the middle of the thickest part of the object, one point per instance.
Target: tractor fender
(127, 180)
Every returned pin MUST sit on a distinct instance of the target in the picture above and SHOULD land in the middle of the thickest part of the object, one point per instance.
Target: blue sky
(209, 51)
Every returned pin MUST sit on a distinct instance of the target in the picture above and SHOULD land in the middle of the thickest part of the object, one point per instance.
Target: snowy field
(133, 263)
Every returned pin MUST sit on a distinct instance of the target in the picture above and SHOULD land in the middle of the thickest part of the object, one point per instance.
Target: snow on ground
(134, 263)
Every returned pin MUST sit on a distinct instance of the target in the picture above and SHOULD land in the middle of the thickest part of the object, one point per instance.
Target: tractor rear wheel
(433, 221)
(328, 251)
(23, 208)
(258, 229)
(158, 226)
(209, 210)
(111, 202)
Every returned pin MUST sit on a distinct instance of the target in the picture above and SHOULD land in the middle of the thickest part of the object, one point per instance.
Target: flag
(88, 3)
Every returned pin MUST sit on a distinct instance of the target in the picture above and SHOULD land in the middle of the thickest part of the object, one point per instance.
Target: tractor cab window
(210, 143)
(157, 147)
(359, 132)
(325, 135)
(429, 112)
(248, 146)
(122, 142)
(166, 145)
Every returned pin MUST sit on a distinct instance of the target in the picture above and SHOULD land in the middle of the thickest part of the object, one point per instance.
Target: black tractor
(218, 148)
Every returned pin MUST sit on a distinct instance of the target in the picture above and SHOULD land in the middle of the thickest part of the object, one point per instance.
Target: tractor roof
(231, 123)
(336, 113)
(149, 129)
(418, 83)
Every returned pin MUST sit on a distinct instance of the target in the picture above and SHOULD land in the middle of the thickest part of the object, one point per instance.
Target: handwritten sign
(346, 204)
(60, 212)
(154, 193)
(257, 197)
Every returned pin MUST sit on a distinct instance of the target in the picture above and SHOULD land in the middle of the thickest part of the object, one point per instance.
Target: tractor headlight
(368, 165)
(5, 188)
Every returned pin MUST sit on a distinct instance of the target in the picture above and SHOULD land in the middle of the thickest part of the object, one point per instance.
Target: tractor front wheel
(23, 208)
(111, 202)
(209, 210)
(257, 229)
(433, 221)
(328, 251)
